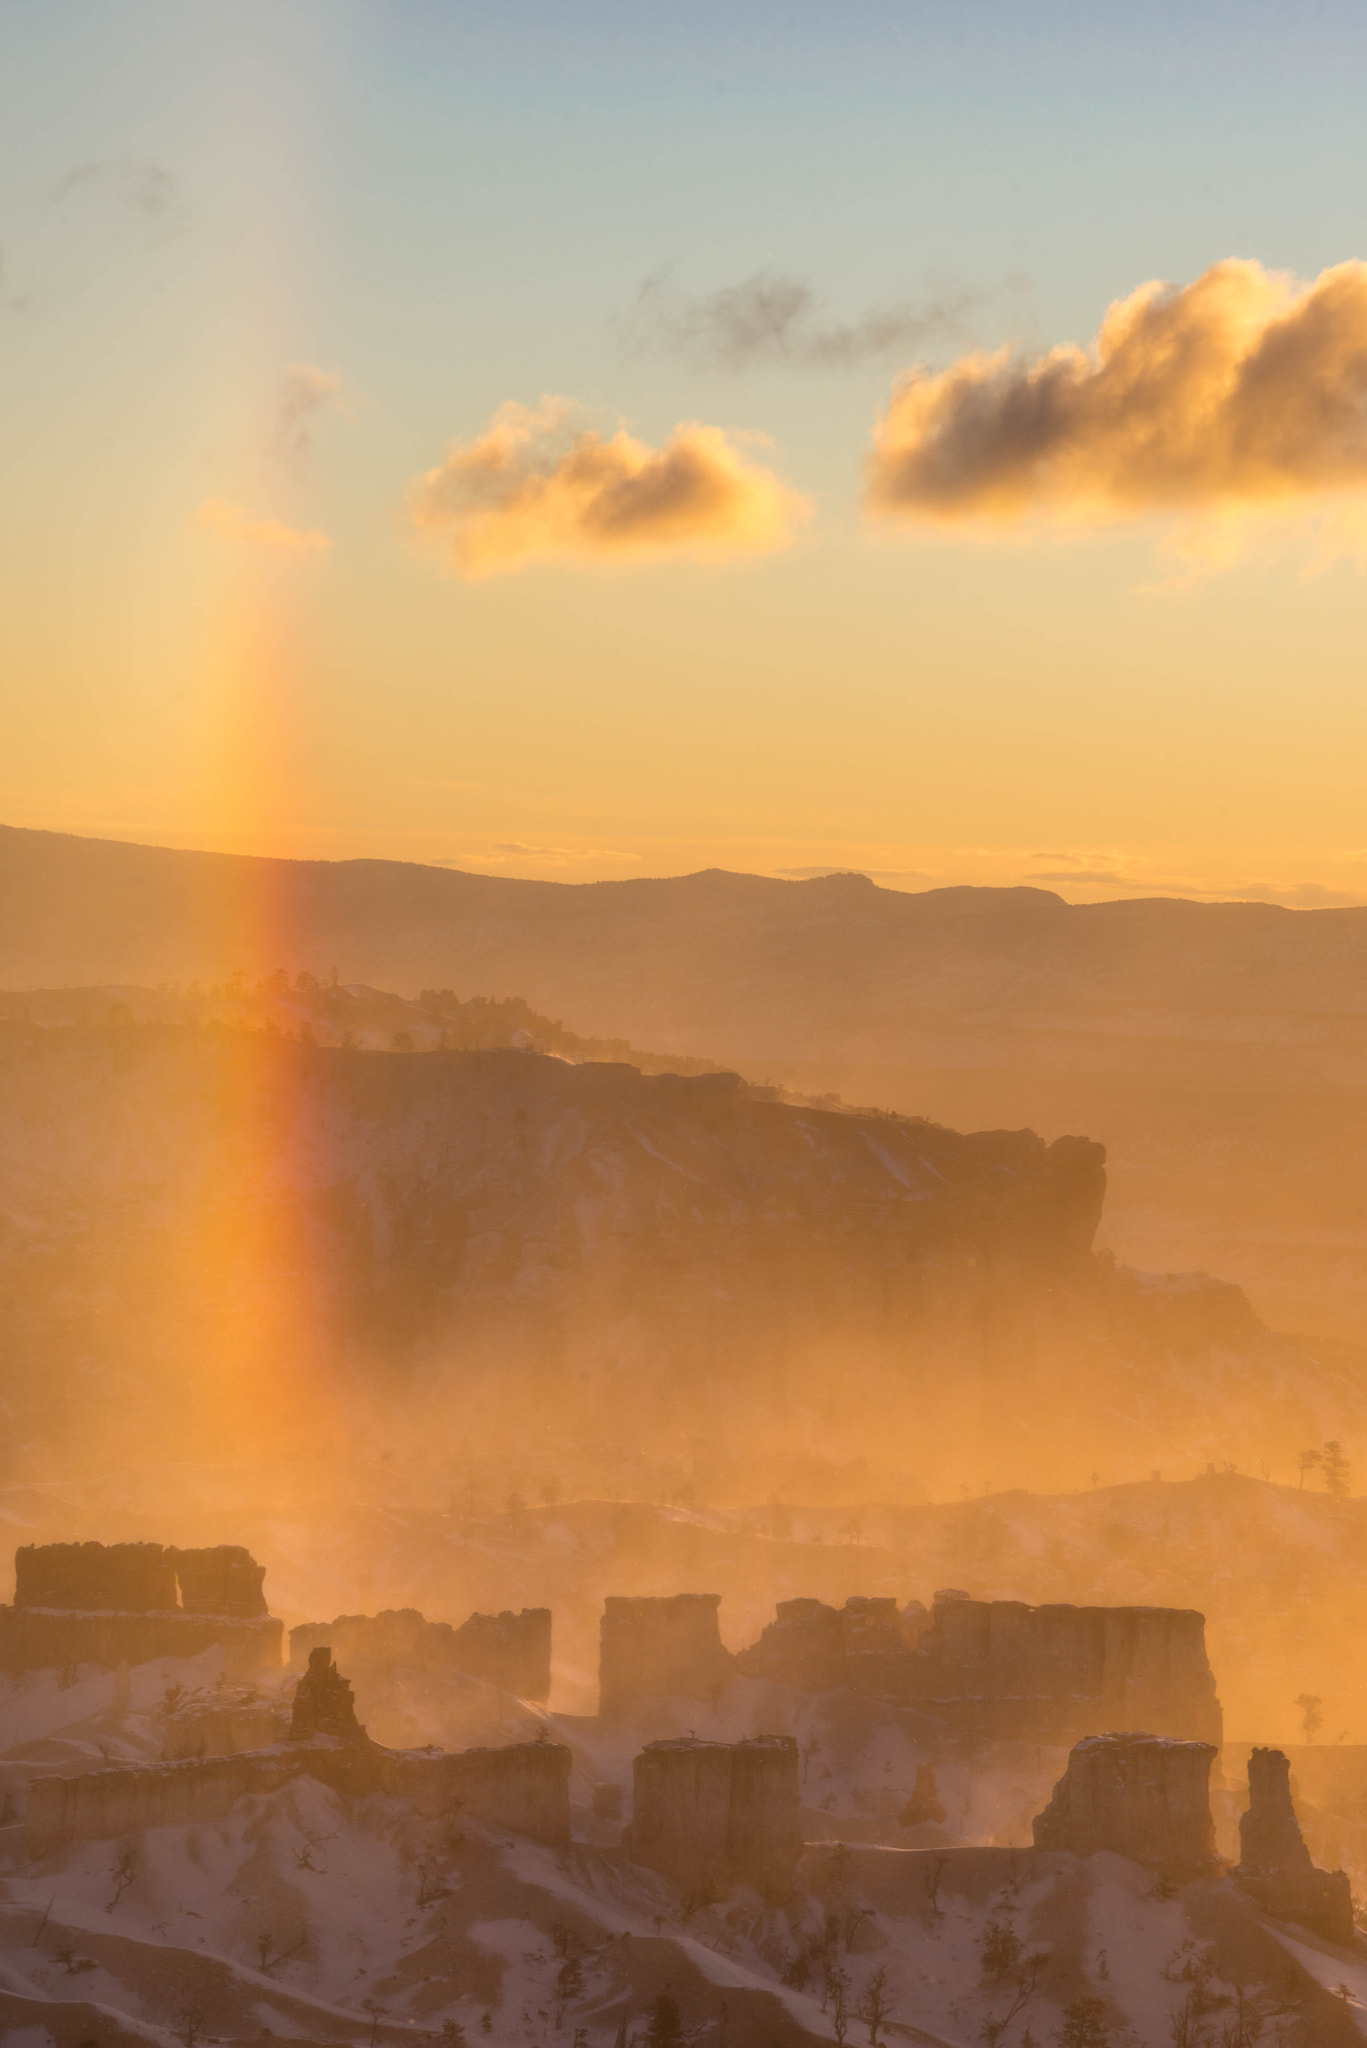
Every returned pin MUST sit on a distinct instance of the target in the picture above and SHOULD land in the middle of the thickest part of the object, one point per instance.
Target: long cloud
(1243, 389)
(538, 485)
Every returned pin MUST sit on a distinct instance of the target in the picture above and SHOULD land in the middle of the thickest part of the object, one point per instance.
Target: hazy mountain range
(1218, 1050)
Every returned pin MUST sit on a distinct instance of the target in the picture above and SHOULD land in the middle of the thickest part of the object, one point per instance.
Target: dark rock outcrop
(710, 1815)
(223, 1580)
(323, 1702)
(511, 1651)
(1055, 1673)
(43, 1639)
(120, 1578)
(1274, 1863)
(231, 1721)
(1002, 1669)
(866, 1645)
(925, 1803)
(524, 1788)
(649, 1649)
(126, 1603)
(1143, 1796)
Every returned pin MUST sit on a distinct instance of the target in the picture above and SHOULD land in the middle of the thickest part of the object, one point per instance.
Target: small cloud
(144, 187)
(769, 318)
(539, 486)
(1244, 392)
(305, 392)
(235, 522)
(506, 851)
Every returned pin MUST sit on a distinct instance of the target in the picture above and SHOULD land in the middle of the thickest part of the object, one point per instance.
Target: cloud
(1242, 390)
(769, 318)
(145, 187)
(540, 486)
(305, 391)
(235, 522)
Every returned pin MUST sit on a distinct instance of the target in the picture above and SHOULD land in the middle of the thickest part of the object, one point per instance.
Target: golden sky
(433, 438)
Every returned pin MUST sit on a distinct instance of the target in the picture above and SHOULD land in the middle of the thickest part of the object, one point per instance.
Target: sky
(614, 440)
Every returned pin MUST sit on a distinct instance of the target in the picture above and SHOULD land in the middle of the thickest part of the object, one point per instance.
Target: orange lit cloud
(1244, 390)
(537, 487)
(234, 522)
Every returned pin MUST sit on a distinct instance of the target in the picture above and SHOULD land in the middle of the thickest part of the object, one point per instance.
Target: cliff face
(1219, 1048)
(511, 1651)
(1056, 1673)
(206, 1192)
(122, 1603)
(713, 1814)
(1274, 1863)
(1139, 1795)
(652, 1648)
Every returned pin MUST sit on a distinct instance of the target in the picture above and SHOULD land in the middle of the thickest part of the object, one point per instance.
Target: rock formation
(323, 1702)
(1144, 1796)
(710, 1815)
(119, 1578)
(925, 1803)
(230, 1721)
(223, 1580)
(999, 1668)
(524, 1788)
(1055, 1673)
(125, 1603)
(866, 1645)
(512, 1651)
(649, 1649)
(1274, 1863)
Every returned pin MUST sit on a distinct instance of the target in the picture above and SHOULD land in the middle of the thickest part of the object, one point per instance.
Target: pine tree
(666, 2027)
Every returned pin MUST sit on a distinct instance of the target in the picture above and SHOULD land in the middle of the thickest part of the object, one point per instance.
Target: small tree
(665, 2028)
(875, 2006)
(933, 1877)
(838, 1998)
(1312, 1714)
(1335, 1468)
(123, 1874)
(1307, 1462)
(1001, 1949)
(1084, 2025)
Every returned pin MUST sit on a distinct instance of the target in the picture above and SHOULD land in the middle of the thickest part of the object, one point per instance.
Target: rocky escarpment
(654, 1648)
(1054, 1673)
(989, 1668)
(640, 1253)
(524, 1786)
(511, 1651)
(1274, 1863)
(125, 1603)
(710, 1815)
(1141, 1796)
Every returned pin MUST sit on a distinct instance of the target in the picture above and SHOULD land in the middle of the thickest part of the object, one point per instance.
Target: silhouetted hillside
(503, 1249)
(1220, 1050)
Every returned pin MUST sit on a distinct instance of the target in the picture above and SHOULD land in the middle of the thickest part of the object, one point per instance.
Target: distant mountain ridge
(1219, 1050)
(718, 954)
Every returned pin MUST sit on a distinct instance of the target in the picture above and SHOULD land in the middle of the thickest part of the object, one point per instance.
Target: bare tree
(1312, 1714)
(123, 1874)
(875, 2006)
(933, 1878)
